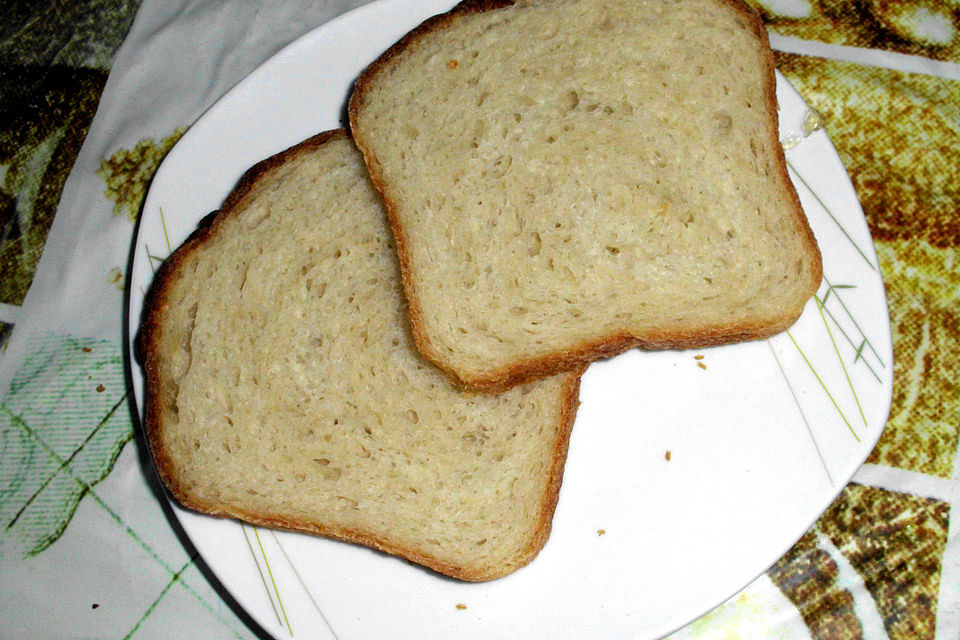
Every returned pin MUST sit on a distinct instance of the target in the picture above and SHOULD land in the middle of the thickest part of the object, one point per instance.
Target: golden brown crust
(780, 158)
(606, 346)
(357, 99)
(149, 355)
(611, 345)
(538, 539)
(147, 339)
(568, 413)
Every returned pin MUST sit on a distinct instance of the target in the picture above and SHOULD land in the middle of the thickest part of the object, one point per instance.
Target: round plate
(689, 472)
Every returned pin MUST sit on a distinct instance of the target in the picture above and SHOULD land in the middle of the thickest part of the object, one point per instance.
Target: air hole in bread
(722, 122)
(535, 244)
(253, 223)
(502, 165)
(332, 474)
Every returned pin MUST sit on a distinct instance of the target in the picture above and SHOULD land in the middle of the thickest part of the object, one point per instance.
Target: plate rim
(134, 308)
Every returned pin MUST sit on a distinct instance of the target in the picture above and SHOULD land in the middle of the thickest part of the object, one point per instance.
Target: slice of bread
(567, 179)
(283, 387)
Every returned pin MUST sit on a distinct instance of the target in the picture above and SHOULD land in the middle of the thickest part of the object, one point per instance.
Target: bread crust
(614, 343)
(146, 342)
(148, 353)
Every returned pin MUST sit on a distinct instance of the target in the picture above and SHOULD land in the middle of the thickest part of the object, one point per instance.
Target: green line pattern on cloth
(62, 425)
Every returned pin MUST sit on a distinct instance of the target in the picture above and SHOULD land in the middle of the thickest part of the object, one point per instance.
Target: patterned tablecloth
(93, 93)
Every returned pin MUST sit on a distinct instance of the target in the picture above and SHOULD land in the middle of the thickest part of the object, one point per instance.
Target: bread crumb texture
(291, 389)
(586, 169)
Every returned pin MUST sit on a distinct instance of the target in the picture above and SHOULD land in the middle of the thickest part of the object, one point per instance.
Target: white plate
(760, 441)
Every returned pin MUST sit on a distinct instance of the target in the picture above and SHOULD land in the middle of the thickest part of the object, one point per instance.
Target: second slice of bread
(567, 179)
(283, 387)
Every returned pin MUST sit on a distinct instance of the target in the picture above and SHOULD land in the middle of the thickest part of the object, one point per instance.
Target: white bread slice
(284, 389)
(567, 179)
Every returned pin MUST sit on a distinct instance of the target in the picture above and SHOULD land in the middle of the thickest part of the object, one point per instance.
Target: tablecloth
(93, 93)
